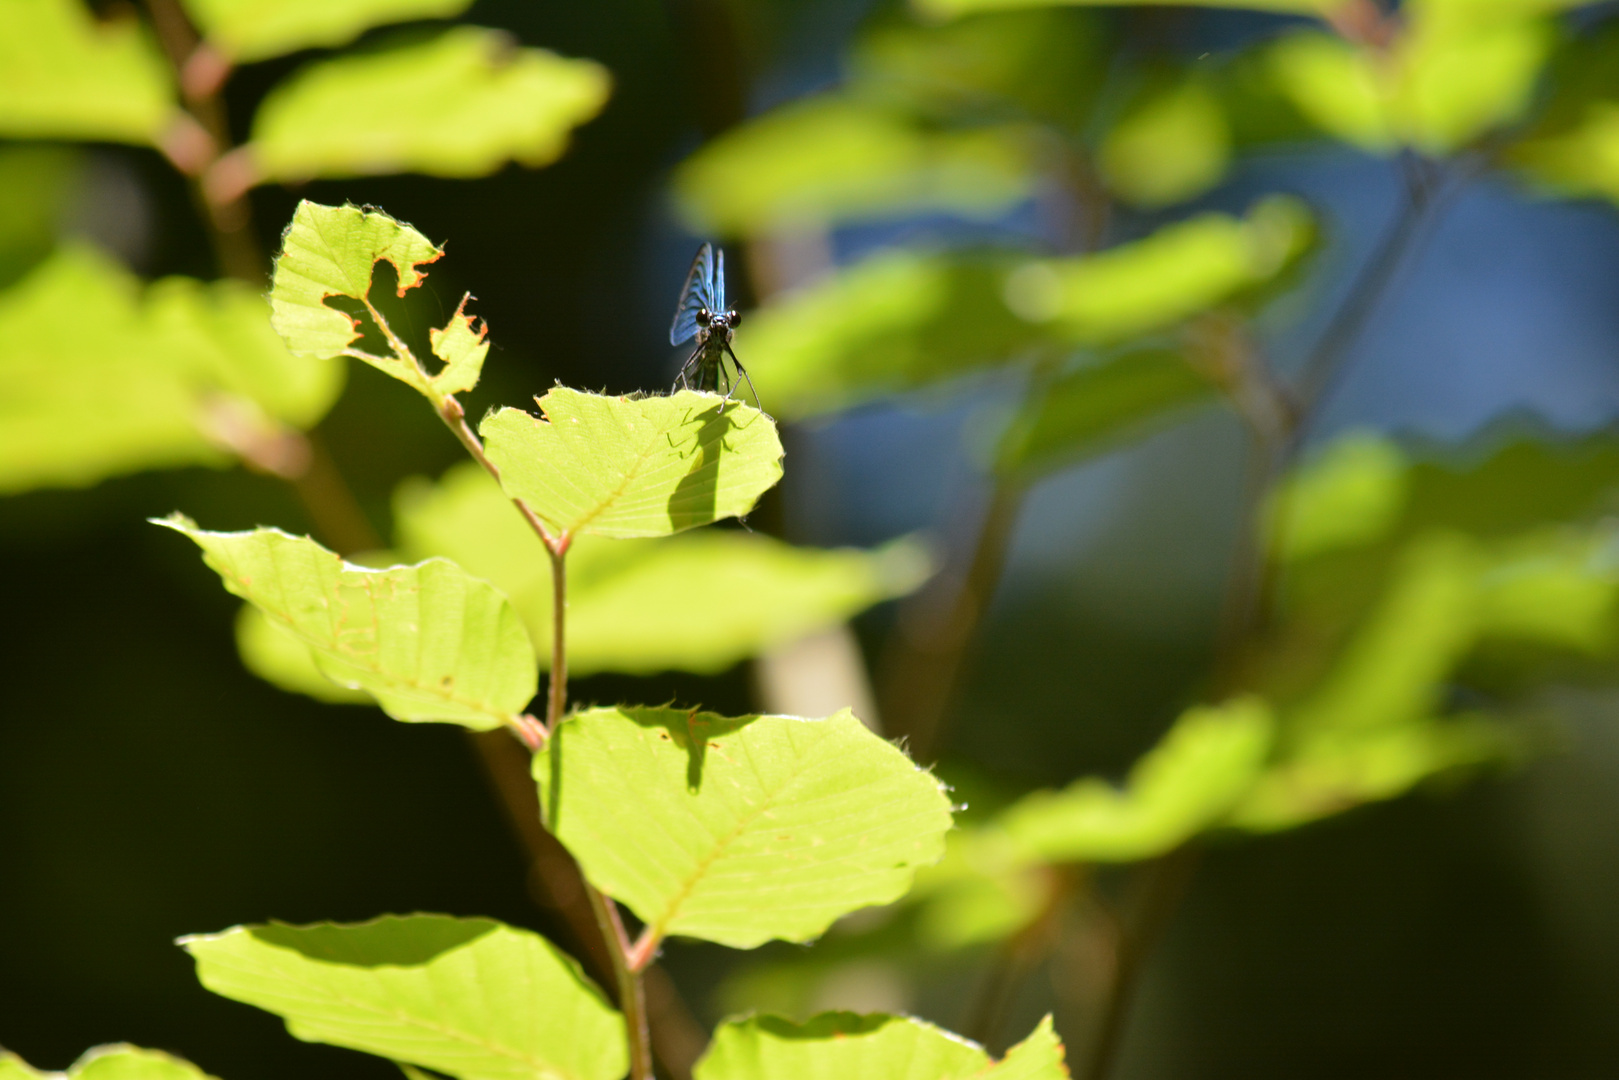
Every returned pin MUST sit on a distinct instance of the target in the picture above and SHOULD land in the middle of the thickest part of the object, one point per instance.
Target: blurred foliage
(1100, 277)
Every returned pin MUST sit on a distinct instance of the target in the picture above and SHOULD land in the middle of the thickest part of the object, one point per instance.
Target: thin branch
(1165, 885)
(557, 697)
(935, 628)
(1421, 194)
(201, 73)
(631, 992)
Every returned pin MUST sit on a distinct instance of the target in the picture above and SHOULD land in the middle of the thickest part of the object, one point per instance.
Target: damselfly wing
(702, 314)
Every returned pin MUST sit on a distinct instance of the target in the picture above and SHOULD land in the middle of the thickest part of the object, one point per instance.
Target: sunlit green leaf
(118, 1061)
(979, 67)
(462, 104)
(429, 642)
(699, 602)
(1329, 772)
(332, 251)
(65, 75)
(101, 377)
(1038, 1057)
(1352, 493)
(1095, 407)
(1337, 86)
(738, 830)
(1456, 70)
(470, 998)
(1554, 586)
(830, 160)
(894, 322)
(952, 8)
(984, 889)
(845, 1044)
(1171, 146)
(625, 467)
(462, 345)
(258, 29)
(1582, 161)
(1178, 271)
(1192, 779)
(277, 656)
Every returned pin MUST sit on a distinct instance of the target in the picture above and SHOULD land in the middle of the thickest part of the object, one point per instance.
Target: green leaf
(66, 75)
(247, 30)
(1456, 70)
(39, 181)
(704, 601)
(625, 467)
(979, 68)
(277, 656)
(332, 251)
(947, 9)
(894, 322)
(1093, 409)
(462, 345)
(462, 104)
(738, 830)
(984, 889)
(1352, 493)
(471, 998)
(1190, 781)
(843, 1044)
(118, 1061)
(1038, 1057)
(429, 642)
(102, 377)
(831, 160)
(1581, 161)
(1175, 273)
(700, 602)
(1329, 772)
(1171, 146)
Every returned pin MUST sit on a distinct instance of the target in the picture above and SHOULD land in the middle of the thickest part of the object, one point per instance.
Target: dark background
(150, 788)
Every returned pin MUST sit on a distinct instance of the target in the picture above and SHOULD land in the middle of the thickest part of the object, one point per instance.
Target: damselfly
(702, 314)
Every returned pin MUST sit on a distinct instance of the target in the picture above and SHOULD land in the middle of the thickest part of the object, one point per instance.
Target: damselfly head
(704, 317)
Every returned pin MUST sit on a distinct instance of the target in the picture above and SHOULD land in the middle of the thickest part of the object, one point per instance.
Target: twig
(631, 992)
(1421, 193)
(929, 644)
(201, 73)
(1161, 893)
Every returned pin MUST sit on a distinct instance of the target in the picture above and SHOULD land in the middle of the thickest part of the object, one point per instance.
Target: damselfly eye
(703, 317)
(734, 317)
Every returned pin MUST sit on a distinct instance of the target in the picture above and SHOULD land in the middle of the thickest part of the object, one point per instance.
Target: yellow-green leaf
(66, 75)
(830, 160)
(246, 30)
(332, 251)
(472, 998)
(429, 641)
(99, 377)
(738, 830)
(462, 104)
(634, 466)
(1190, 781)
(1149, 284)
(955, 8)
(701, 602)
(118, 1061)
(1171, 146)
(849, 1045)
(276, 655)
